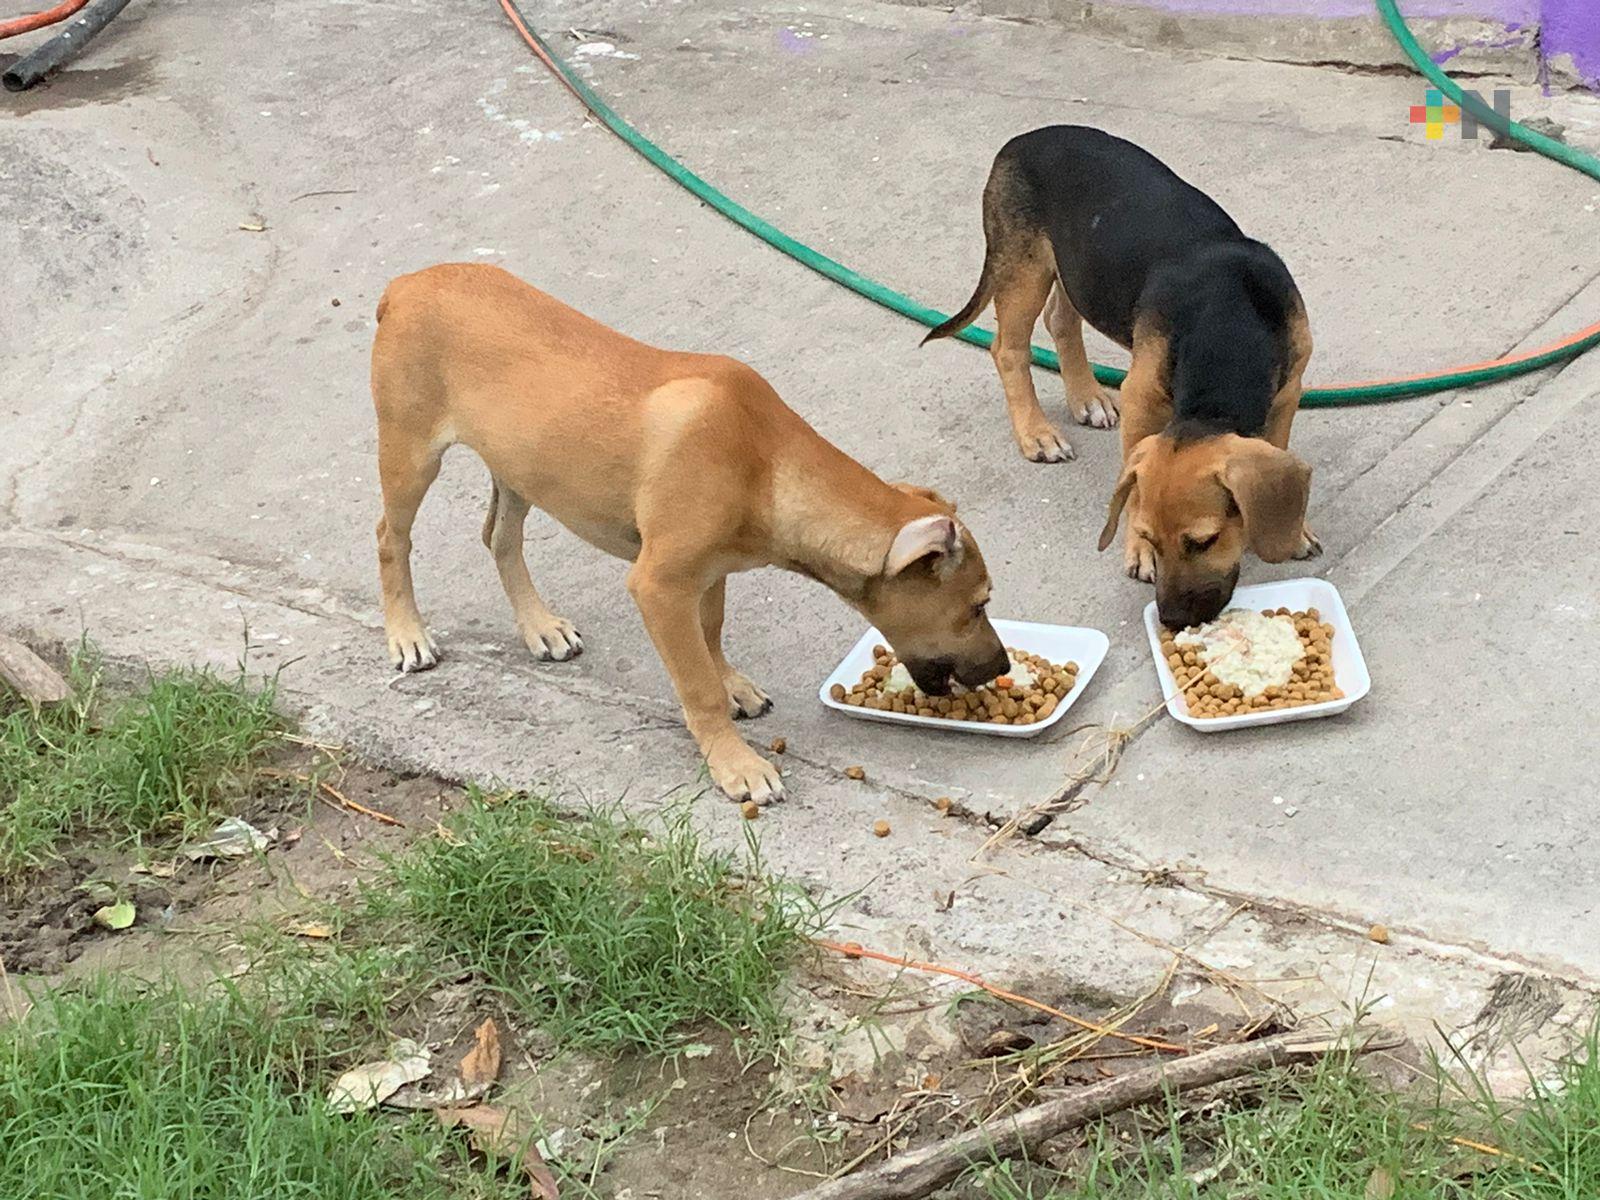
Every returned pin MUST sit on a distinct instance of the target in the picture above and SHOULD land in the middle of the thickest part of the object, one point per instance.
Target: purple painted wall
(1569, 30)
(1572, 27)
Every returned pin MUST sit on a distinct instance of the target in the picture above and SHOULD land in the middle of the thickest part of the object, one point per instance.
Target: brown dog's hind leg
(1089, 403)
(1023, 280)
(547, 635)
(745, 699)
(671, 602)
(407, 468)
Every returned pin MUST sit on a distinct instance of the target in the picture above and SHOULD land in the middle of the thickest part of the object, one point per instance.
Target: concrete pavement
(186, 446)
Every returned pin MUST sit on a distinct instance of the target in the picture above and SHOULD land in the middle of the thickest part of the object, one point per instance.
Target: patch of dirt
(883, 1060)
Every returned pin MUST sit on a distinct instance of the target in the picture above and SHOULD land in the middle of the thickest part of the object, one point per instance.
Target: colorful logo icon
(1434, 115)
(1436, 112)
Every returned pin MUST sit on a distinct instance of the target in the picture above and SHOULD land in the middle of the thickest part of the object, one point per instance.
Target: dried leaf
(232, 838)
(116, 916)
(418, 1097)
(371, 1084)
(480, 1066)
(310, 929)
(499, 1132)
(155, 870)
(698, 1050)
(859, 1100)
(1004, 1041)
(1380, 1185)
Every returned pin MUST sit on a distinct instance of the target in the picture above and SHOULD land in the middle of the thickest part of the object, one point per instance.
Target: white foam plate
(1057, 643)
(1349, 667)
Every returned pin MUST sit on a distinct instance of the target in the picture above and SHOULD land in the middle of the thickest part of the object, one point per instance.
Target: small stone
(852, 950)
(1379, 934)
(750, 809)
(1035, 823)
(856, 773)
(779, 745)
(880, 828)
(336, 302)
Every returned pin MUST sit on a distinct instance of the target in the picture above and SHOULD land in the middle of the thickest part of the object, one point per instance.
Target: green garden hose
(1326, 397)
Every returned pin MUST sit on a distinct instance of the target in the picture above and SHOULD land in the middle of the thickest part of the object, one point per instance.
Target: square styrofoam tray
(1349, 667)
(1058, 643)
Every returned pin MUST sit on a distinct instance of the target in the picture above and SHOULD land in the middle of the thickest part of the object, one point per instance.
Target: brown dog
(1084, 226)
(688, 465)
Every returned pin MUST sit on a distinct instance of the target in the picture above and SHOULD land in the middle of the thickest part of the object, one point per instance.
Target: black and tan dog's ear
(1272, 488)
(936, 539)
(912, 489)
(1119, 498)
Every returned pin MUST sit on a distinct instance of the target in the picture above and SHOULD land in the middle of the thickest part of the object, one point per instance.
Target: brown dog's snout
(934, 676)
(980, 671)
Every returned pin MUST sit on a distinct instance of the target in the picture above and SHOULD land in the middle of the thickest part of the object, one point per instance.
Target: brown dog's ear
(935, 537)
(1271, 488)
(912, 489)
(1119, 498)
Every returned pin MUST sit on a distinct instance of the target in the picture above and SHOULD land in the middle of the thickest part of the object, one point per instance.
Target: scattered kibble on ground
(780, 745)
(880, 829)
(855, 773)
(750, 809)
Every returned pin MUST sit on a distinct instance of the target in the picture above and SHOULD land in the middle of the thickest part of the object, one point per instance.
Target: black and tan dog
(1085, 226)
(687, 465)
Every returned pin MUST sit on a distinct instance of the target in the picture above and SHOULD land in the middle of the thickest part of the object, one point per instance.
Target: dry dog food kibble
(1244, 663)
(1028, 693)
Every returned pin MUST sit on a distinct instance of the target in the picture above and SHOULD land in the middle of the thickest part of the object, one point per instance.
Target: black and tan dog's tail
(1003, 199)
(971, 309)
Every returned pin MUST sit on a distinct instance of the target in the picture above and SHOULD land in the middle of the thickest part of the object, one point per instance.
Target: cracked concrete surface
(186, 451)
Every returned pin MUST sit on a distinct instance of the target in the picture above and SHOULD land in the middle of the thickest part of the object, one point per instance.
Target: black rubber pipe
(62, 48)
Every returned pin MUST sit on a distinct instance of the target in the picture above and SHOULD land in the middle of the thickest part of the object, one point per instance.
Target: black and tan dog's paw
(1097, 410)
(1139, 560)
(1043, 443)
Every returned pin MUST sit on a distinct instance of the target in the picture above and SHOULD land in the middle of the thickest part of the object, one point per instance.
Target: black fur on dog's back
(1134, 243)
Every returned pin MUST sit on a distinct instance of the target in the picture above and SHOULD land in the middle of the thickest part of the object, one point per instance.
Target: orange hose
(854, 951)
(39, 20)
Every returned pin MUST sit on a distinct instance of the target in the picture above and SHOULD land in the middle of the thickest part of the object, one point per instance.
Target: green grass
(156, 761)
(611, 935)
(114, 1091)
(1330, 1134)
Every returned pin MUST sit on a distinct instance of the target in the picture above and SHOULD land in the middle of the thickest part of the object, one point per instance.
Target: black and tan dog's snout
(1183, 603)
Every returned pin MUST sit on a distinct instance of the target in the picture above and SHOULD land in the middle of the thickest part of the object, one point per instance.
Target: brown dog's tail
(490, 517)
(969, 310)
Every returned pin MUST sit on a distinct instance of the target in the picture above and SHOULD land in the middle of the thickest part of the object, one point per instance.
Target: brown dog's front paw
(1310, 547)
(413, 651)
(743, 774)
(1044, 444)
(554, 640)
(745, 700)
